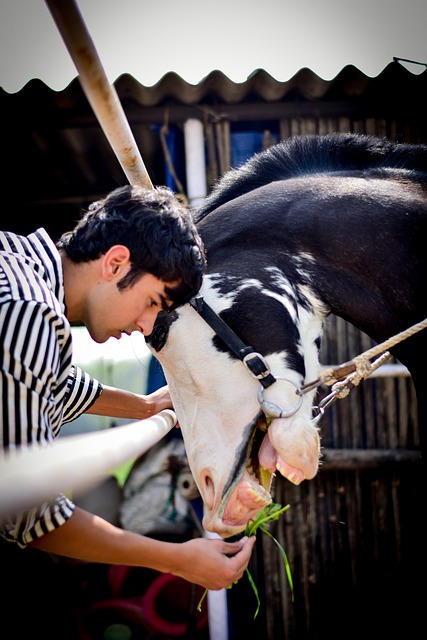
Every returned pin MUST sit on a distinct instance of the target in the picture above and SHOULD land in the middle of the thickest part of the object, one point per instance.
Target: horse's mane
(304, 155)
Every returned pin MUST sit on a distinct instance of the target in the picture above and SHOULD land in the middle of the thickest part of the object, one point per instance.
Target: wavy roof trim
(350, 82)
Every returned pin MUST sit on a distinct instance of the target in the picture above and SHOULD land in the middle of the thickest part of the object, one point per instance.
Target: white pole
(196, 191)
(195, 161)
(217, 609)
(75, 462)
(101, 95)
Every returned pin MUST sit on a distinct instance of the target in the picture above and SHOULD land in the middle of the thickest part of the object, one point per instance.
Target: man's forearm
(119, 403)
(212, 563)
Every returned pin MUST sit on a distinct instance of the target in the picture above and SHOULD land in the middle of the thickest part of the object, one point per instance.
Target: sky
(195, 37)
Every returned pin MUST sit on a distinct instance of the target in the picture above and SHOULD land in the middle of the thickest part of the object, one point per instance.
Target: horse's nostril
(208, 490)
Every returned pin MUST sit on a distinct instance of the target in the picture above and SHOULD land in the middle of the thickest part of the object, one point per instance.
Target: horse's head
(235, 437)
(287, 244)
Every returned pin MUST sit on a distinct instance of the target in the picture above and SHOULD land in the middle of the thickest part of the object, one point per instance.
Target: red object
(168, 607)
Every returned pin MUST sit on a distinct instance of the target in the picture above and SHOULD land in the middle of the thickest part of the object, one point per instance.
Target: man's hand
(213, 563)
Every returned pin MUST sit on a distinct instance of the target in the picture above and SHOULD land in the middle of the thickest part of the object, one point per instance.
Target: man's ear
(116, 262)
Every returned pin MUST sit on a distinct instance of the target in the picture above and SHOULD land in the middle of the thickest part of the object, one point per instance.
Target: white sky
(194, 37)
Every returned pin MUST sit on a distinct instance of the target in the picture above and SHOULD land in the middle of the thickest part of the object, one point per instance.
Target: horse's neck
(357, 244)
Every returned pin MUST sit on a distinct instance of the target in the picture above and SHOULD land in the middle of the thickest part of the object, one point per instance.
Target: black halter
(253, 360)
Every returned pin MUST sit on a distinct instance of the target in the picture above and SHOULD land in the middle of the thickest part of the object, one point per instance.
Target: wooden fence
(353, 535)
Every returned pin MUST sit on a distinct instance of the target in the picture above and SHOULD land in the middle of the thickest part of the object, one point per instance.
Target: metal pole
(101, 95)
(78, 462)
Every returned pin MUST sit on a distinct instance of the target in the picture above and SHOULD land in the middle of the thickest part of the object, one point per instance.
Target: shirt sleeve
(36, 349)
(82, 391)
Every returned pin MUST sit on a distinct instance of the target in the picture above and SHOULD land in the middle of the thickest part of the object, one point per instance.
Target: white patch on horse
(223, 301)
(288, 298)
(309, 320)
(301, 257)
(311, 326)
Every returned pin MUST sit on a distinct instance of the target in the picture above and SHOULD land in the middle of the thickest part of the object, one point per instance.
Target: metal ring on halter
(273, 410)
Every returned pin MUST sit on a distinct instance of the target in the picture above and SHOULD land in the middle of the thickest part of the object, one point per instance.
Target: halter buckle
(256, 365)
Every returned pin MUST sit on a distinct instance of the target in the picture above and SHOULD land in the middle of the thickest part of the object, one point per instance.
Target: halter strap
(253, 360)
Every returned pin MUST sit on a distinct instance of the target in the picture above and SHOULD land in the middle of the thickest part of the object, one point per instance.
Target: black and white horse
(310, 227)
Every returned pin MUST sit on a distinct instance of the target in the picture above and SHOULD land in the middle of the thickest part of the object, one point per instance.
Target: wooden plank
(366, 458)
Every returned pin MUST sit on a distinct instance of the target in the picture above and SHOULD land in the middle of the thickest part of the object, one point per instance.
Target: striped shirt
(40, 388)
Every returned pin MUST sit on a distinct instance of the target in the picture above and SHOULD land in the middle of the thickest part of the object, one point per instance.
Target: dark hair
(157, 229)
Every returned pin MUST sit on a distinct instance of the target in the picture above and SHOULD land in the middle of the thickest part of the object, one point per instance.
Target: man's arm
(118, 403)
(211, 563)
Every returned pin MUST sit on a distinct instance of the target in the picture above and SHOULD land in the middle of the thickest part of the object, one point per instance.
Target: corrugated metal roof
(57, 158)
(216, 86)
(260, 84)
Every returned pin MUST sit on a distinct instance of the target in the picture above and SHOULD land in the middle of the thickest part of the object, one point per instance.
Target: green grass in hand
(272, 512)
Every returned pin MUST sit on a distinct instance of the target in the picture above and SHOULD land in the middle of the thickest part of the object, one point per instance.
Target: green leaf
(199, 606)
(262, 521)
(285, 561)
(271, 512)
(253, 585)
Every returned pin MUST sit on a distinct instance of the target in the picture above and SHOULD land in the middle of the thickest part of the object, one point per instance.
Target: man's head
(158, 231)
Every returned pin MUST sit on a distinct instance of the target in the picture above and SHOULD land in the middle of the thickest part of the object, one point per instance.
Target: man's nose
(146, 322)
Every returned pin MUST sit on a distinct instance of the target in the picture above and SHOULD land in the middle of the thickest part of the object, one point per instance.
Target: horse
(312, 226)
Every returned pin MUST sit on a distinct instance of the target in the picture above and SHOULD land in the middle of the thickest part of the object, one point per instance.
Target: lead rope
(356, 370)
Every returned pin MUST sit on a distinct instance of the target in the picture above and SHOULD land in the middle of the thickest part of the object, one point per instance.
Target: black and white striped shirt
(40, 388)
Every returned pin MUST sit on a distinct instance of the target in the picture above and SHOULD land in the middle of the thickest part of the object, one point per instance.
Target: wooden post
(101, 95)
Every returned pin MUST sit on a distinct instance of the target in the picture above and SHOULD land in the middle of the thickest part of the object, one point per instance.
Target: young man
(133, 254)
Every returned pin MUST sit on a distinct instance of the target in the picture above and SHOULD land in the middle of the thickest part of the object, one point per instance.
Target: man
(132, 254)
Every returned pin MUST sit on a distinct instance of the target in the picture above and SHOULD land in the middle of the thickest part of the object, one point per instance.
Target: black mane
(303, 155)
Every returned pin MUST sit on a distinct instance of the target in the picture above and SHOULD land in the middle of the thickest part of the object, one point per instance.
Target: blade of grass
(262, 521)
(285, 562)
(255, 590)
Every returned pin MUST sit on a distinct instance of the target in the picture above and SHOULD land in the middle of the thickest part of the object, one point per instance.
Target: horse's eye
(159, 335)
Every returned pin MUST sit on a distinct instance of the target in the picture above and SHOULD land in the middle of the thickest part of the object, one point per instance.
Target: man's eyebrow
(166, 302)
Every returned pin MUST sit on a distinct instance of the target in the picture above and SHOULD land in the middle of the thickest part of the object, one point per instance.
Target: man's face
(113, 311)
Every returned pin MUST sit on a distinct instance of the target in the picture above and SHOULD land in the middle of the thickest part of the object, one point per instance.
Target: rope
(399, 337)
(361, 365)
(359, 368)
(364, 368)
